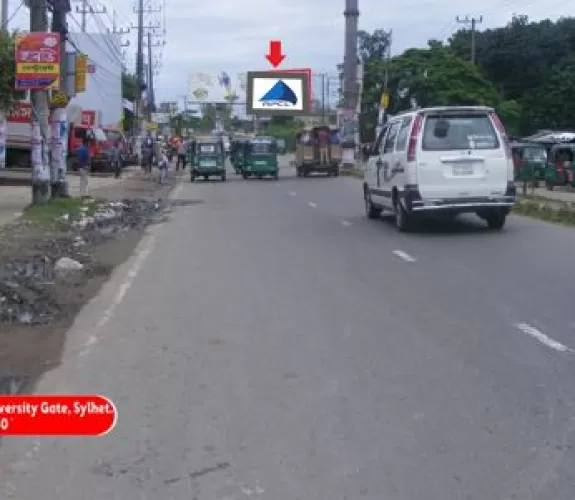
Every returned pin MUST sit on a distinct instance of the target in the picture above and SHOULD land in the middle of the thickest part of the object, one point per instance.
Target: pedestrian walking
(163, 167)
(84, 167)
(181, 156)
(116, 160)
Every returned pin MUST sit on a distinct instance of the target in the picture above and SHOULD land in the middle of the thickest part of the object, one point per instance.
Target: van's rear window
(453, 132)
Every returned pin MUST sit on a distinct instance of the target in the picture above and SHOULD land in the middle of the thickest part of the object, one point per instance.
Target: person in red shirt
(323, 140)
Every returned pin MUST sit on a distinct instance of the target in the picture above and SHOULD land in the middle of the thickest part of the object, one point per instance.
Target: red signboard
(88, 118)
(37, 60)
(21, 112)
(299, 71)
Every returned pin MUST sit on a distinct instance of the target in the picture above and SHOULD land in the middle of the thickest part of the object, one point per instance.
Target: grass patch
(550, 211)
(48, 213)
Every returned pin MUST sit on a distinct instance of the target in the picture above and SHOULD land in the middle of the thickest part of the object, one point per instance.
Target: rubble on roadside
(27, 282)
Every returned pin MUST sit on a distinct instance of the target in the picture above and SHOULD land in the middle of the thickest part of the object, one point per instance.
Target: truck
(81, 126)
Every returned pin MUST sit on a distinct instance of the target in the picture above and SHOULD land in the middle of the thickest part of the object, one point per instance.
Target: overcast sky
(211, 36)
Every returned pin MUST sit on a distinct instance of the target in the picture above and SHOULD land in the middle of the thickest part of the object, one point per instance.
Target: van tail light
(502, 133)
(414, 136)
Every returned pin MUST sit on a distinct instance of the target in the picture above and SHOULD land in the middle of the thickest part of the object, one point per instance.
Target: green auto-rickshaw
(209, 160)
(560, 170)
(281, 146)
(237, 153)
(260, 158)
(529, 161)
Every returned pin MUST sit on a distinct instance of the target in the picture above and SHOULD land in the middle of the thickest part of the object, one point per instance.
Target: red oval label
(57, 415)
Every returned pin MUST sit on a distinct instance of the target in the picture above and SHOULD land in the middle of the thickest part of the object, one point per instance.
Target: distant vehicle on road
(259, 158)
(207, 159)
(318, 150)
(447, 160)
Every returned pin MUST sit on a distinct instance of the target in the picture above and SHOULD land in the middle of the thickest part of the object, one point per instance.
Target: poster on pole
(37, 58)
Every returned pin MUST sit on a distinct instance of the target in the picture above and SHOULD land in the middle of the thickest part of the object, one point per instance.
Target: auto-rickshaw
(529, 161)
(559, 170)
(209, 160)
(309, 155)
(281, 146)
(260, 158)
(237, 152)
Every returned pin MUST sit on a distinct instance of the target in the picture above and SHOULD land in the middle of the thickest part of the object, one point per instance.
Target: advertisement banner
(88, 118)
(20, 112)
(37, 60)
(81, 72)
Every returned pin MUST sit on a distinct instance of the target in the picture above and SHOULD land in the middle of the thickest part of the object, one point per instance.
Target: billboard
(279, 93)
(37, 60)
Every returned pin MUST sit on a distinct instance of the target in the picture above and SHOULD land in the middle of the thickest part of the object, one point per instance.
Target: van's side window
(403, 135)
(390, 139)
(378, 143)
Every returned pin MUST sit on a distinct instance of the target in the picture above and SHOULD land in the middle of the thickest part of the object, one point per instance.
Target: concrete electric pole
(350, 93)
(40, 133)
(140, 75)
(87, 9)
(474, 21)
(59, 119)
(4, 14)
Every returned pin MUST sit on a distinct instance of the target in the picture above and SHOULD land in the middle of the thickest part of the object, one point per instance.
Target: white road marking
(292, 193)
(405, 256)
(541, 337)
(312, 204)
(346, 223)
(277, 184)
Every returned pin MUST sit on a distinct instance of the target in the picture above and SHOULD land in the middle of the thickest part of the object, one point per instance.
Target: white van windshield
(465, 131)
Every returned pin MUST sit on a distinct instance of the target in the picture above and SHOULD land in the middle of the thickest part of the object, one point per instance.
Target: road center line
(292, 193)
(541, 337)
(405, 256)
(346, 223)
(312, 204)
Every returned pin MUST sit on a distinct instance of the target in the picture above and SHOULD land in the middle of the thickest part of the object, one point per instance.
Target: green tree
(373, 46)
(552, 105)
(129, 87)
(7, 71)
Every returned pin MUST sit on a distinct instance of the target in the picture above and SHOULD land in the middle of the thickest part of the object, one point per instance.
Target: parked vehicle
(447, 160)
(209, 160)
(308, 152)
(260, 158)
(529, 162)
(560, 170)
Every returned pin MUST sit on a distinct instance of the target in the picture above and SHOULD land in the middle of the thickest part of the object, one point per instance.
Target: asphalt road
(271, 342)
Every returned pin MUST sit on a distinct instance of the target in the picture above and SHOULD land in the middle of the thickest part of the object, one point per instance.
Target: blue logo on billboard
(280, 95)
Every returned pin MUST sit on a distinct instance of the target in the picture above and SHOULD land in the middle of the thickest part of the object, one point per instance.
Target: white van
(448, 160)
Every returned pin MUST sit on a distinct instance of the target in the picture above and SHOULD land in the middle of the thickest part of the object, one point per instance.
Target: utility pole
(351, 15)
(474, 21)
(85, 10)
(140, 75)
(150, 78)
(4, 15)
(322, 75)
(40, 132)
(59, 119)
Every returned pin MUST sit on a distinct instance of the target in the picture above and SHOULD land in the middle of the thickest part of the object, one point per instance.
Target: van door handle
(397, 169)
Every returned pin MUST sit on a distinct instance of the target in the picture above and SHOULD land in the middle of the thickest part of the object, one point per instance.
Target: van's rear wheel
(402, 219)
(495, 220)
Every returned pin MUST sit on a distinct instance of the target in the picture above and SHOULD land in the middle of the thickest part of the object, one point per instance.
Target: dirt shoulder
(54, 260)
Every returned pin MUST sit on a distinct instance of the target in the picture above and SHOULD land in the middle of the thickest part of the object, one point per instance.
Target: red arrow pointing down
(275, 56)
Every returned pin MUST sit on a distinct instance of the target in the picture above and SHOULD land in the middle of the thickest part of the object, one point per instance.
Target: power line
(474, 21)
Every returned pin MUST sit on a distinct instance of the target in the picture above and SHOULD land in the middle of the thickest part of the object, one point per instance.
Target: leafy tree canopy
(7, 70)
